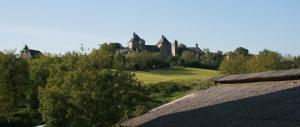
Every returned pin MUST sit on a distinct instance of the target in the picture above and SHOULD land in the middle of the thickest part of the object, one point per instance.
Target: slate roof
(34, 52)
(163, 40)
(277, 75)
(195, 49)
(259, 104)
(152, 48)
(135, 38)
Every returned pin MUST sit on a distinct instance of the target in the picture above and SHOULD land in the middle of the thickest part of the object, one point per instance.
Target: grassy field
(165, 85)
(178, 75)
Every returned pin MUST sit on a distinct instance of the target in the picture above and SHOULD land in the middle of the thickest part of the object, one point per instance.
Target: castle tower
(134, 42)
(175, 48)
(165, 48)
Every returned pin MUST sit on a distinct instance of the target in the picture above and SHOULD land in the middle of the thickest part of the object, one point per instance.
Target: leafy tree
(265, 60)
(188, 56)
(234, 65)
(144, 60)
(296, 61)
(103, 57)
(212, 60)
(39, 69)
(110, 47)
(13, 90)
(181, 47)
(85, 95)
(241, 51)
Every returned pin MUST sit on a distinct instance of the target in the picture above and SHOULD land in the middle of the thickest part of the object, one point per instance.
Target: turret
(175, 48)
(134, 42)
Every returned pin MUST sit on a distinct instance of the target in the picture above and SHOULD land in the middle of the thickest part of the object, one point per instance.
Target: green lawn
(179, 75)
(168, 84)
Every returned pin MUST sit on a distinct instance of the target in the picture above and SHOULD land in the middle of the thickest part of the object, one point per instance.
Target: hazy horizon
(61, 26)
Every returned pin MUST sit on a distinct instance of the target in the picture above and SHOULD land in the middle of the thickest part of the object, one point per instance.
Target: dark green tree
(14, 86)
(241, 51)
(85, 95)
(188, 56)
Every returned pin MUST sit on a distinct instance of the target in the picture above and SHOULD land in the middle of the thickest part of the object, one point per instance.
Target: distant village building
(228, 55)
(196, 50)
(163, 46)
(27, 53)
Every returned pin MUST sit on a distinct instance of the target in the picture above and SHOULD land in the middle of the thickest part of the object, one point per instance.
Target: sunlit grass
(179, 75)
(168, 84)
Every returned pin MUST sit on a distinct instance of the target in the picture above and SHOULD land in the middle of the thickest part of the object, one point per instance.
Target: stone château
(27, 53)
(163, 46)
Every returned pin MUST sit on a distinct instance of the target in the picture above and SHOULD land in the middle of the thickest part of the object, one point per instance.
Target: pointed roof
(163, 40)
(176, 41)
(135, 38)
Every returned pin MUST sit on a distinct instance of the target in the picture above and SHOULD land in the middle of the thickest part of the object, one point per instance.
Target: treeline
(152, 60)
(73, 89)
(206, 59)
(241, 61)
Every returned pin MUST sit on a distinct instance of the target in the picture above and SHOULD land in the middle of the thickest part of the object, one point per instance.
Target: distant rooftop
(277, 75)
(163, 40)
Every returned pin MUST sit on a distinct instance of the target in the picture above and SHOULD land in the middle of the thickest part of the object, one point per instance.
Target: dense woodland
(96, 89)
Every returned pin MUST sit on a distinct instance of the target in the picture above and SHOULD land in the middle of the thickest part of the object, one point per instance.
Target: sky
(58, 26)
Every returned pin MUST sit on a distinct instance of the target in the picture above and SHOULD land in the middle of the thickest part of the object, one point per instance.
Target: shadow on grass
(163, 92)
(278, 109)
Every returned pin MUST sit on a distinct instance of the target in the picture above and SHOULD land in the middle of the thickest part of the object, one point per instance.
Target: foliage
(188, 57)
(77, 89)
(235, 65)
(266, 60)
(206, 59)
(103, 57)
(241, 51)
(144, 61)
(39, 70)
(14, 84)
(201, 85)
(164, 92)
(296, 62)
(181, 47)
(211, 60)
(84, 95)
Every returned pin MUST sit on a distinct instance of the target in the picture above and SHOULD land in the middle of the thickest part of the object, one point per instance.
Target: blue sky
(58, 26)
